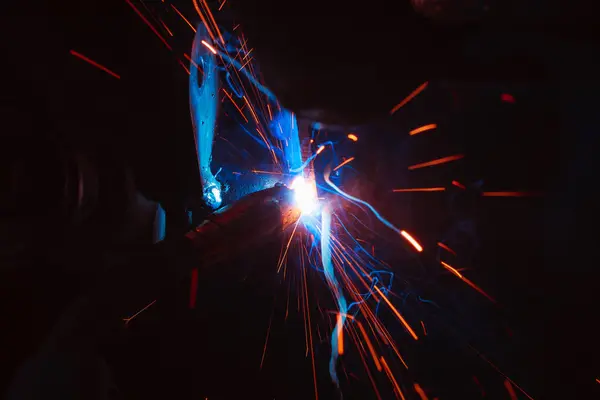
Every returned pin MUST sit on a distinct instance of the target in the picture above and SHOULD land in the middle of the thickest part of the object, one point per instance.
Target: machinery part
(204, 89)
(257, 217)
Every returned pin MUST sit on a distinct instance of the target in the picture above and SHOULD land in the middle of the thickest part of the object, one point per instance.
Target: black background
(534, 255)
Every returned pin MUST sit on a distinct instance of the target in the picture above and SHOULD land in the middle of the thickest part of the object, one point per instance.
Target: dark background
(534, 255)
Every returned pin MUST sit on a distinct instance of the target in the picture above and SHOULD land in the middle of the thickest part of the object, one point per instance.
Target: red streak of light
(420, 391)
(422, 129)
(184, 18)
(193, 288)
(445, 247)
(412, 241)
(235, 104)
(436, 162)
(479, 385)
(353, 137)
(340, 333)
(270, 115)
(342, 164)
(409, 97)
(458, 184)
(184, 67)
(501, 373)
(424, 330)
(149, 24)
(166, 27)
(597, 380)
(138, 313)
(507, 98)
(222, 4)
(510, 390)
(266, 341)
(235, 27)
(391, 377)
(94, 63)
(468, 282)
(432, 189)
(510, 194)
(395, 311)
(320, 149)
(193, 63)
(208, 46)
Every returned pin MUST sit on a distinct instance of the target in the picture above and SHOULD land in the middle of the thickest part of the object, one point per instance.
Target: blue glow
(203, 108)
(335, 288)
(285, 128)
(309, 159)
(364, 203)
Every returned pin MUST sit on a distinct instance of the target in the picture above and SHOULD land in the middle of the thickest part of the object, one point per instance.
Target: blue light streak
(335, 288)
(203, 108)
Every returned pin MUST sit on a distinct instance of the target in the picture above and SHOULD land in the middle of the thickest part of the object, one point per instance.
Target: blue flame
(335, 288)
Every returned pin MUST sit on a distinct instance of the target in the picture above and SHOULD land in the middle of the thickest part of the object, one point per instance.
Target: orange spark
(510, 390)
(184, 18)
(208, 46)
(436, 162)
(166, 27)
(193, 63)
(235, 104)
(201, 14)
(184, 67)
(149, 24)
(412, 241)
(597, 380)
(212, 19)
(445, 247)
(422, 129)
(395, 311)
(94, 63)
(432, 189)
(391, 377)
(266, 341)
(510, 194)
(340, 334)
(251, 109)
(270, 114)
(321, 148)
(409, 97)
(342, 164)
(138, 313)
(222, 4)
(369, 346)
(458, 184)
(287, 247)
(424, 330)
(353, 137)
(467, 281)
(312, 354)
(420, 391)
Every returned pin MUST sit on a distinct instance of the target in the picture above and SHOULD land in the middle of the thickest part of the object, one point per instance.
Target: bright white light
(305, 194)
(217, 195)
